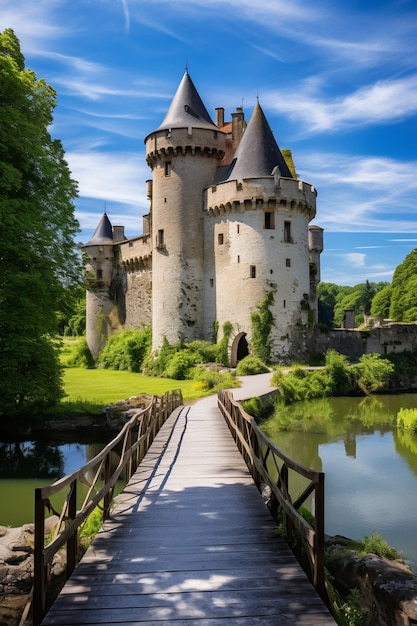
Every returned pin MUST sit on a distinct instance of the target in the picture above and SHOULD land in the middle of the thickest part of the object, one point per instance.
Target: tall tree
(38, 258)
(403, 306)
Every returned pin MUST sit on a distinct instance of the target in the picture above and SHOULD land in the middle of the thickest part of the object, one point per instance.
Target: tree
(403, 306)
(326, 293)
(38, 258)
(381, 302)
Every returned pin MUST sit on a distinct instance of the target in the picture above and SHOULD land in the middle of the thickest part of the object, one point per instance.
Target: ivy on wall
(262, 322)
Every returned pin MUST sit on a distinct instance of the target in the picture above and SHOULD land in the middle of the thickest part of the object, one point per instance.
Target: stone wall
(392, 338)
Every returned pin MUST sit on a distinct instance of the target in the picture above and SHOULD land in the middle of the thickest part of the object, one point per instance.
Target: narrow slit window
(253, 271)
(287, 262)
(287, 232)
(220, 239)
(99, 274)
(160, 241)
(167, 168)
(269, 220)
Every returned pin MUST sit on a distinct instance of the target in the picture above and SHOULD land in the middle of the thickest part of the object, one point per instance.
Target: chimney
(220, 117)
(238, 126)
(118, 234)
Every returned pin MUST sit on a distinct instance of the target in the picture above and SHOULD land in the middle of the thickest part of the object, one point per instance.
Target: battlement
(262, 193)
(181, 141)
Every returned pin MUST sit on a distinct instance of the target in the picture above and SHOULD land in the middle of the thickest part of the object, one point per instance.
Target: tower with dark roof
(183, 154)
(229, 223)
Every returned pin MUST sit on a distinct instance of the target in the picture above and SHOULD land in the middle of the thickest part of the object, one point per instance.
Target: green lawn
(101, 386)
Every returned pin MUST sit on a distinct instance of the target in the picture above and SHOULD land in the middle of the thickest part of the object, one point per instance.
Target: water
(27, 465)
(370, 465)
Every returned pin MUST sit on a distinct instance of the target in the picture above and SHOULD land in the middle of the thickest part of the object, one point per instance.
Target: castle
(228, 223)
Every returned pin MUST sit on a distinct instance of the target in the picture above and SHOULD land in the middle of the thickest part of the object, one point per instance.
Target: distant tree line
(396, 301)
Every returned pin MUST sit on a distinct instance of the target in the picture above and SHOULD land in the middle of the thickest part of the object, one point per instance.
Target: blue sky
(336, 80)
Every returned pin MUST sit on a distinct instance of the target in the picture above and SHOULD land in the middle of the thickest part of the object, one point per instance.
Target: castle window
(99, 274)
(284, 304)
(287, 232)
(287, 262)
(211, 282)
(168, 168)
(160, 240)
(269, 220)
(238, 258)
(238, 228)
(220, 239)
(253, 271)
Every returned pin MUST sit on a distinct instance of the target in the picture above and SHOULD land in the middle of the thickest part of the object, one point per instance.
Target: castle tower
(183, 153)
(257, 220)
(98, 275)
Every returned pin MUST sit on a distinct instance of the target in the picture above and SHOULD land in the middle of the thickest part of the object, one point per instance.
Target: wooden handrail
(271, 467)
(135, 438)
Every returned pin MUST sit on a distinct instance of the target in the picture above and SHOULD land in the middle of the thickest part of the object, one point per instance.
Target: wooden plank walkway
(190, 543)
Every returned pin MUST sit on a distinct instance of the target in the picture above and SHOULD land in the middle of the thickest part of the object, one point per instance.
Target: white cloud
(355, 259)
(382, 102)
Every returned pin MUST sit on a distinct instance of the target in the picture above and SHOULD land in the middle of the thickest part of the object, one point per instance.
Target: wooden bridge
(189, 542)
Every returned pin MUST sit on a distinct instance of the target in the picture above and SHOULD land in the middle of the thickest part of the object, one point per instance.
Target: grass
(101, 387)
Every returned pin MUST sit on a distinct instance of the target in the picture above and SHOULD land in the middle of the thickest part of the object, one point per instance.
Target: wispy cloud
(378, 103)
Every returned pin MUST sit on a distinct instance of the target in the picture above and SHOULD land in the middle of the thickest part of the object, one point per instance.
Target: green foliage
(254, 407)
(209, 381)
(338, 373)
(38, 259)
(205, 351)
(77, 354)
(372, 372)
(223, 344)
(181, 364)
(407, 419)
(127, 350)
(348, 611)
(262, 322)
(381, 302)
(374, 544)
(334, 300)
(403, 307)
(337, 378)
(250, 365)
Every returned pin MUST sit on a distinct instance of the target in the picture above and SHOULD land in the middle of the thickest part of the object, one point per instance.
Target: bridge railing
(272, 467)
(98, 478)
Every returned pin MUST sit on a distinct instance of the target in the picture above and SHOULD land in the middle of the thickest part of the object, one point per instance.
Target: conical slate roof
(103, 234)
(258, 153)
(187, 109)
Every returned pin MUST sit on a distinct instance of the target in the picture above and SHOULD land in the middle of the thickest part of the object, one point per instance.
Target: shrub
(254, 407)
(407, 419)
(337, 369)
(251, 365)
(372, 372)
(126, 351)
(180, 365)
(79, 355)
(206, 380)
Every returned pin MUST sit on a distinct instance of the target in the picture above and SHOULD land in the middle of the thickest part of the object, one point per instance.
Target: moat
(370, 466)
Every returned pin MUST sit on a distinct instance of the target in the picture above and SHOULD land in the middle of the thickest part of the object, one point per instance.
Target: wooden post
(72, 543)
(319, 576)
(39, 570)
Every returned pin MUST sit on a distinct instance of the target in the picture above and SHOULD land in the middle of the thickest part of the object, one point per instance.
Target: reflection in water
(370, 466)
(34, 459)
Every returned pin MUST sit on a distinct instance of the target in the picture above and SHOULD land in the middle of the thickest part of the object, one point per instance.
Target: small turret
(98, 275)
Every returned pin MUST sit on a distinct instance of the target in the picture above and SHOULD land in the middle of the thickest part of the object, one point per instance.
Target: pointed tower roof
(103, 235)
(258, 153)
(187, 109)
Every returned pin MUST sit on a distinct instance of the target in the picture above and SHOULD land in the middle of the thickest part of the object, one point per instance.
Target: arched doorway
(240, 349)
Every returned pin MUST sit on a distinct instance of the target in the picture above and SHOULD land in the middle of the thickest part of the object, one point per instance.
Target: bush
(372, 372)
(407, 419)
(180, 365)
(251, 365)
(206, 380)
(79, 355)
(339, 375)
(254, 407)
(126, 351)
